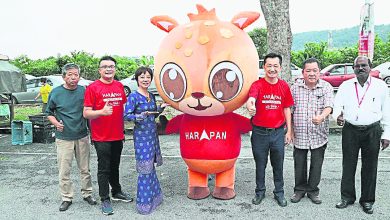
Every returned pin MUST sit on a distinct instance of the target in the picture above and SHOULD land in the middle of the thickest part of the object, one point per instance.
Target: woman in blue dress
(142, 109)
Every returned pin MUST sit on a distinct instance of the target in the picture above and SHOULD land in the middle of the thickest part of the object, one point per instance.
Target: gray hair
(69, 66)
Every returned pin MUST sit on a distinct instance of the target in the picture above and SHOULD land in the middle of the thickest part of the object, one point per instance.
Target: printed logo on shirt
(113, 98)
(271, 101)
(211, 135)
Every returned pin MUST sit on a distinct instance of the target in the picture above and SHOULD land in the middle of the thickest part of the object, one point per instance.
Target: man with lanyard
(362, 104)
(269, 103)
(313, 102)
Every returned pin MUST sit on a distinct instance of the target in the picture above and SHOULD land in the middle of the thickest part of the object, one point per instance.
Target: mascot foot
(197, 193)
(223, 193)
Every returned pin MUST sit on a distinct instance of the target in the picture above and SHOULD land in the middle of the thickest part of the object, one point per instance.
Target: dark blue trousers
(270, 141)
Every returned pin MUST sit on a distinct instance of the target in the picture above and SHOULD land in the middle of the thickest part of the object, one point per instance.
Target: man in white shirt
(362, 104)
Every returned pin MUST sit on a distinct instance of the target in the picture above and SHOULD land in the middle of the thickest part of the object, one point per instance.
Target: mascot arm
(243, 124)
(173, 126)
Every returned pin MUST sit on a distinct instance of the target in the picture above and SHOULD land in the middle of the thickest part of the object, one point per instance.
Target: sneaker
(120, 196)
(315, 199)
(107, 208)
(297, 197)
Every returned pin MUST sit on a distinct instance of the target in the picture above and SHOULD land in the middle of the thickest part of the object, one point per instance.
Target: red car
(336, 74)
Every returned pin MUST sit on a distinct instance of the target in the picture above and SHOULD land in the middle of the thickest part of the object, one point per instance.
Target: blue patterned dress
(147, 150)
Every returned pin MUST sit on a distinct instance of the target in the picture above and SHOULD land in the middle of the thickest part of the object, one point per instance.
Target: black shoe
(90, 200)
(281, 201)
(122, 197)
(314, 198)
(257, 200)
(344, 204)
(367, 207)
(65, 205)
(297, 197)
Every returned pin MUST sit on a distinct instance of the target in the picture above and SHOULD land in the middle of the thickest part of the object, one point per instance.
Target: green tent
(11, 78)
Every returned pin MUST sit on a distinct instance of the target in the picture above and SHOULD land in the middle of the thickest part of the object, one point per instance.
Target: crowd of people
(280, 115)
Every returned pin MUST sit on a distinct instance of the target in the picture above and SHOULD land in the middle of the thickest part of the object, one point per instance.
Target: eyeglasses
(107, 67)
(358, 66)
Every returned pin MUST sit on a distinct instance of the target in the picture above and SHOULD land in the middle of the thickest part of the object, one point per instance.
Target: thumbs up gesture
(107, 109)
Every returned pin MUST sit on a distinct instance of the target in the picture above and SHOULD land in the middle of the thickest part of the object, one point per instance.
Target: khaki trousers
(81, 150)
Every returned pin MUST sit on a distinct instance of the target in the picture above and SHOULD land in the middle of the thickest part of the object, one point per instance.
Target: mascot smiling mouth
(200, 107)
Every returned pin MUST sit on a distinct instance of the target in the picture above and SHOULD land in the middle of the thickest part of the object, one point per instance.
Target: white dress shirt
(375, 103)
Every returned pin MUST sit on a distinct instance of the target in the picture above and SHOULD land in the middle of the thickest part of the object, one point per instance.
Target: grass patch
(23, 111)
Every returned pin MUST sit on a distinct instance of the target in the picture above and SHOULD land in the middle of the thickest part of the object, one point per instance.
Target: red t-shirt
(110, 127)
(271, 99)
(209, 137)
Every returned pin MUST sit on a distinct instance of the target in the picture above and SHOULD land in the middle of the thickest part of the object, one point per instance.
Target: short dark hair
(107, 58)
(273, 55)
(311, 60)
(141, 70)
(43, 80)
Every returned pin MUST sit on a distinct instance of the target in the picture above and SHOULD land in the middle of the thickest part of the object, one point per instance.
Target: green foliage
(259, 37)
(342, 38)
(328, 56)
(22, 112)
(88, 64)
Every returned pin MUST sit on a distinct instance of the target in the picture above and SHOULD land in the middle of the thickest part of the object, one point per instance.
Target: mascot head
(207, 66)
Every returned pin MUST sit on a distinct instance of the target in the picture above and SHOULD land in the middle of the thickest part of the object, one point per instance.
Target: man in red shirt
(269, 105)
(103, 105)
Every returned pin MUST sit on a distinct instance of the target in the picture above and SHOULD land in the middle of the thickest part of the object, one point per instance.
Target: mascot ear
(244, 19)
(164, 22)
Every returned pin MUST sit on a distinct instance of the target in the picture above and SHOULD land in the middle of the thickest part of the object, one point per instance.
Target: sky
(43, 28)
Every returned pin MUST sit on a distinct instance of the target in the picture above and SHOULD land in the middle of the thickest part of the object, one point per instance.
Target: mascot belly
(205, 69)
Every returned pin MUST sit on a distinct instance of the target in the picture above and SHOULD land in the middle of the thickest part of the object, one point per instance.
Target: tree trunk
(277, 18)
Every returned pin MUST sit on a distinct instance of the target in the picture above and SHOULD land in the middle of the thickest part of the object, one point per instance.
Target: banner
(366, 33)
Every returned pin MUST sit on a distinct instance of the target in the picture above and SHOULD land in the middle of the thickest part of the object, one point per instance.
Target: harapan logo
(211, 135)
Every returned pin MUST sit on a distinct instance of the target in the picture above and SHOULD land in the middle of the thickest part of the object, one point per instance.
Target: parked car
(130, 84)
(336, 74)
(384, 70)
(29, 76)
(33, 85)
(296, 72)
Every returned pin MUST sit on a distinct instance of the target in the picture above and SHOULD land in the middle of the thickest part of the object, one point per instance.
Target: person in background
(65, 112)
(141, 108)
(269, 105)
(362, 104)
(103, 106)
(313, 102)
(44, 92)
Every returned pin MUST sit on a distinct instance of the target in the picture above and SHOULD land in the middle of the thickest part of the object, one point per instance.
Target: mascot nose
(197, 95)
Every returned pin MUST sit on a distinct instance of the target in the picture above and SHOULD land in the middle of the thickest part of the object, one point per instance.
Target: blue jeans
(265, 140)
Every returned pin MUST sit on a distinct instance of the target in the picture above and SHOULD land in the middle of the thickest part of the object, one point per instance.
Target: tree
(259, 38)
(277, 17)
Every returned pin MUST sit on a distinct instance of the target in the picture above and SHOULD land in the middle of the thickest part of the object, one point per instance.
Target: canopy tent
(11, 80)
(11, 77)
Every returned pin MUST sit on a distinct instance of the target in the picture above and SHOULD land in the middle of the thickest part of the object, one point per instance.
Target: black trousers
(302, 183)
(368, 142)
(109, 156)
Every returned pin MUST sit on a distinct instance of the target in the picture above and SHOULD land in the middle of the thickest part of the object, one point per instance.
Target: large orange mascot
(205, 69)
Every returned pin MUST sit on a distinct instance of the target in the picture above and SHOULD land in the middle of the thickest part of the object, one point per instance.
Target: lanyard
(357, 93)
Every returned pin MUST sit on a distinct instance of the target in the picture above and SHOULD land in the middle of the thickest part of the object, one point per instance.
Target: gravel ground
(29, 187)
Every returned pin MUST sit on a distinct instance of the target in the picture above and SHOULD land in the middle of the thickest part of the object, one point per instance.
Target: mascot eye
(173, 81)
(225, 81)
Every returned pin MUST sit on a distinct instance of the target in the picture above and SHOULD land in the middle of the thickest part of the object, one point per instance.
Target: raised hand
(107, 109)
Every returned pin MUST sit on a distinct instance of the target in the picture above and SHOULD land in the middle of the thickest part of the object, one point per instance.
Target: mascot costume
(205, 69)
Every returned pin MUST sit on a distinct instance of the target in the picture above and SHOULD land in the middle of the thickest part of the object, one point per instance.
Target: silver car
(130, 84)
(33, 85)
(384, 70)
